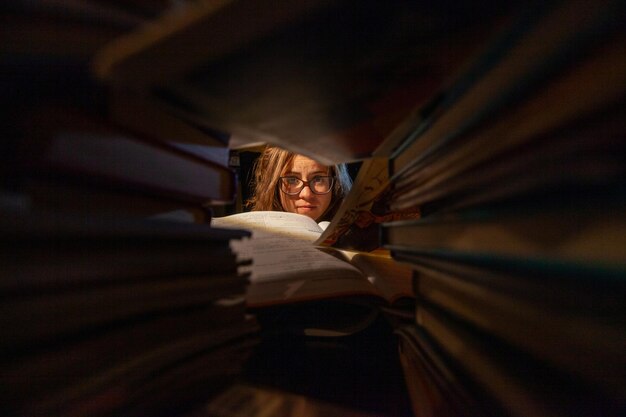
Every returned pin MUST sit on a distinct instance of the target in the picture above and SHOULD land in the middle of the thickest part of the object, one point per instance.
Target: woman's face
(305, 202)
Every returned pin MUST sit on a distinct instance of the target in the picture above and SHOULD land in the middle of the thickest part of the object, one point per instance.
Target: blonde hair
(267, 171)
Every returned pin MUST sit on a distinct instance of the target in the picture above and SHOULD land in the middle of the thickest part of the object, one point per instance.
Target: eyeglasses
(317, 185)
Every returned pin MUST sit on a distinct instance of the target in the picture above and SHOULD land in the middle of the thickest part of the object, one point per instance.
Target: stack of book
(73, 161)
(107, 312)
(519, 255)
(117, 317)
(62, 152)
(326, 79)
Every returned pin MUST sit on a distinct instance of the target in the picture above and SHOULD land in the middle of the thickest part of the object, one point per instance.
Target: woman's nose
(306, 192)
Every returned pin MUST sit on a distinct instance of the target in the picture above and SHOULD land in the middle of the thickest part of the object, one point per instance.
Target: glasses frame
(306, 184)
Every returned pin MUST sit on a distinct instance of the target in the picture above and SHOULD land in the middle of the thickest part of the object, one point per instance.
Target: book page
(393, 279)
(281, 248)
(277, 222)
(356, 224)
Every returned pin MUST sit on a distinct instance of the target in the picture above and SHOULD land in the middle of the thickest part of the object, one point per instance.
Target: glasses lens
(321, 185)
(291, 185)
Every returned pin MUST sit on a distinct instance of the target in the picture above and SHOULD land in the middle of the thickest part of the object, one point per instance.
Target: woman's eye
(292, 180)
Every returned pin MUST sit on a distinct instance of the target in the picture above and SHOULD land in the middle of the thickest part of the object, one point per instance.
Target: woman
(286, 181)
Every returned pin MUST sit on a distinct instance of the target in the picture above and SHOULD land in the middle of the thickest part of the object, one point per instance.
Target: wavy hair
(267, 171)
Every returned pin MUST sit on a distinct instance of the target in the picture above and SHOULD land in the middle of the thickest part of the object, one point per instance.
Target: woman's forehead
(303, 164)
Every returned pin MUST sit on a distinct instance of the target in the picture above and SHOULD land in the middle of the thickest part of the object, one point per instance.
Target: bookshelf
(500, 122)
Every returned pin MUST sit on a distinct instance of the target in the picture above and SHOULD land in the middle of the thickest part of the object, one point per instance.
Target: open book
(288, 270)
(356, 225)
